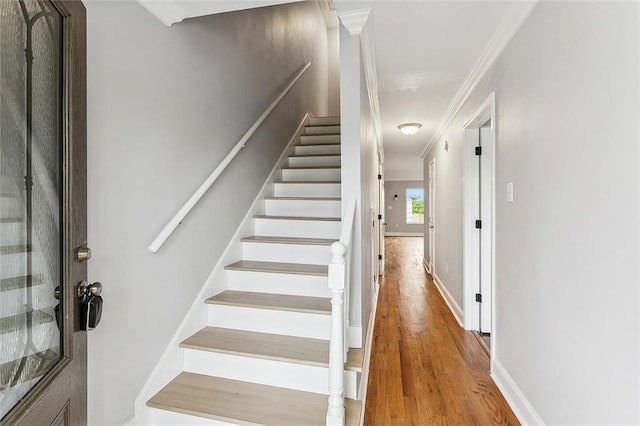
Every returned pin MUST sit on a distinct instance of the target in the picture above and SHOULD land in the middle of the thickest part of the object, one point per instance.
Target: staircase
(29, 336)
(263, 356)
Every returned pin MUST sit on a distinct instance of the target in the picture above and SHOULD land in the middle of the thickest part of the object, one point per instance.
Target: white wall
(567, 325)
(165, 105)
(359, 171)
(402, 167)
(333, 48)
(395, 210)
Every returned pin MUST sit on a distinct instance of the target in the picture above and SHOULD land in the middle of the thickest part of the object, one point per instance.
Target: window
(415, 205)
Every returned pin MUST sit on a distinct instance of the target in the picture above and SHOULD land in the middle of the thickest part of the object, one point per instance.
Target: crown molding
(508, 27)
(354, 20)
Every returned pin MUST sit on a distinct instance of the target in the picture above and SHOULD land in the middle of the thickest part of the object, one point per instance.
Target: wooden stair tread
(35, 366)
(288, 240)
(13, 283)
(304, 198)
(276, 347)
(10, 324)
(308, 181)
(246, 403)
(321, 219)
(14, 249)
(279, 302)
(11, 219)
(310, 168)
(318, 144)
(278, 267)
(313, 155)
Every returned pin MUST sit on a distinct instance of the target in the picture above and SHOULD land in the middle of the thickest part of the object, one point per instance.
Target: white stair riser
(287, 253)
(307, 378)
(330, 160)
(14, 301)
(13, 265)
(316, 149)
(325, 121)
(319, 139)
(45, 336)
(310, 208)
(12, 233)
(160, 417)
(301, 324)
(306, 190)
(298, 228)
(10, 207)
(310, 174)
(322, 130)
(262, 282)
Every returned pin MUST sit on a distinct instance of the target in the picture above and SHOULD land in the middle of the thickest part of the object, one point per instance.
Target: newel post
(335, 411)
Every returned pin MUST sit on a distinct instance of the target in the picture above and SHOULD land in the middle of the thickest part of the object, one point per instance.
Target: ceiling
(424, 52)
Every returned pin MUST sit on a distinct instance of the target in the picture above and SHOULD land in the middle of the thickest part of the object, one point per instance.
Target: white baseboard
(514, 396)
(449, 300)
(425, 264)
(362, 392)
(171, 361)
(404, 234)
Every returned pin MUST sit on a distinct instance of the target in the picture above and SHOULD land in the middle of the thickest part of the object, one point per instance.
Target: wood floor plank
(425, 369)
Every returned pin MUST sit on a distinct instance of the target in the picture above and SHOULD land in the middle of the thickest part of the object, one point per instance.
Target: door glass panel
(30, 195)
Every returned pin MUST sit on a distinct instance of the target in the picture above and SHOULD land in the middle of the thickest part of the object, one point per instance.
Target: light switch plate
(510, 192)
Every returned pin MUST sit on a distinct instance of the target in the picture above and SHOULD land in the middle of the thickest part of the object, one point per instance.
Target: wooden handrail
(191, 202)
(339, 284)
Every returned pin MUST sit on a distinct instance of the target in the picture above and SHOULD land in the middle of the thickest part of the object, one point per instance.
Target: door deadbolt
(85, 289)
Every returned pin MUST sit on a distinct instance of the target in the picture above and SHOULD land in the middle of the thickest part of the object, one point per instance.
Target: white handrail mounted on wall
(191, 202)
(339, 283)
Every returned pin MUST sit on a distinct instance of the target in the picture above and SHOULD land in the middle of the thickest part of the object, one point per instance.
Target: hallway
(425, 369)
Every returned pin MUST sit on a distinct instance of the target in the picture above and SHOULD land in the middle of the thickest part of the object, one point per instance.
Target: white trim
(358, 23)
(170, 363)
(448, 298)
(404, 234)
(521, 407)
(396, 179)
(354, 20)
(425, 265)
(362, 392)
(508, 27)
(470, 238)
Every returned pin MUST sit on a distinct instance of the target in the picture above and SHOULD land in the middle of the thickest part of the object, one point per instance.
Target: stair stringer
(171, 362)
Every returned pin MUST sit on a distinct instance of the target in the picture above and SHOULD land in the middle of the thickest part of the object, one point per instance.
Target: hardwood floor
(425, 369)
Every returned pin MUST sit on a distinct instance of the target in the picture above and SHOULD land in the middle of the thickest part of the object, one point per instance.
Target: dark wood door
(42, 211)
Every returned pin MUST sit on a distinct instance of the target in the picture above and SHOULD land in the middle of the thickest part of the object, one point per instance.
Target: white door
(485, 181)
(432, 215)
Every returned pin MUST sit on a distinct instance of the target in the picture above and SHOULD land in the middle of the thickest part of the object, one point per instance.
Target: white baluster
(335, 410)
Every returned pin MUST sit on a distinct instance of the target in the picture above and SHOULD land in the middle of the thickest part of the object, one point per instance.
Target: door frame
(472, 259)
(431, 231)
(381, 219)
(61, 396)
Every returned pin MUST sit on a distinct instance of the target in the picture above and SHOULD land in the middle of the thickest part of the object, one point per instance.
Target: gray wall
(567, 251)
(165, 106)
(394, 210)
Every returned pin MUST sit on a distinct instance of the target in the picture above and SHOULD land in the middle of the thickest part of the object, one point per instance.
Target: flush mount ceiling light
(409, 128)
